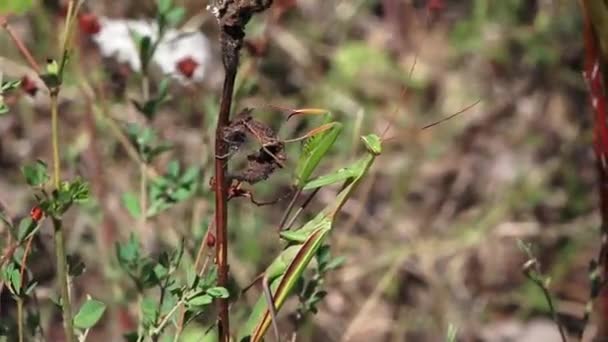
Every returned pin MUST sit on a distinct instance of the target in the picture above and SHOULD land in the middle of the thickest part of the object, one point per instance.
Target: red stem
(594, 74)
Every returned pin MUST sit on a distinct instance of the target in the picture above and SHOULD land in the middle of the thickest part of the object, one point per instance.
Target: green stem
(60, 252)
(159, 309)
(145, 86)
(140, 316)
(166, 319)
(55, 138)
(143, 196)
(62, 279)
(20, 318)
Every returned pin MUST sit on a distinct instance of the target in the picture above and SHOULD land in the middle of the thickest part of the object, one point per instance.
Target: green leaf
(15, 6)
(173, 169)
(218, 292)
(150, 108)
(149, 310)
(14, 277)
(26, 227)
(323, 255)
(131, 203)
(163, 259)
(9, 85)
(89, 314)
(147, 274)
(78, 191)
(201, 300)
(36, 174)
(313, 151)
(191, 175)
(128, 252)
(335, 263)
(160, 271)
(163, 90)
(3, 107)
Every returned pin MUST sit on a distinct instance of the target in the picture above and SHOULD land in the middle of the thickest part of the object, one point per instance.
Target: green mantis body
(281, 276)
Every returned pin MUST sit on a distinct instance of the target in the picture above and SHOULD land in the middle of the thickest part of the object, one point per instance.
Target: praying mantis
(280, 278)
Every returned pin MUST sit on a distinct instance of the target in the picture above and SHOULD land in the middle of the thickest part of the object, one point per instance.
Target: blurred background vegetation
(430, 239)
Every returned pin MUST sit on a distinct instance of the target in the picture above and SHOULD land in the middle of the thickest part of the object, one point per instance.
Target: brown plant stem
(232, 16)
(25, 52)
(221, 196)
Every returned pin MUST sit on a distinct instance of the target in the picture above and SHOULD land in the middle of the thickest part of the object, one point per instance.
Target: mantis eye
(373, 143)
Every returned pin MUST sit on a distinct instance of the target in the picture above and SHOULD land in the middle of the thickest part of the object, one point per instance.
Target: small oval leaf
(89, 314)
(218, 292)
(200, 300)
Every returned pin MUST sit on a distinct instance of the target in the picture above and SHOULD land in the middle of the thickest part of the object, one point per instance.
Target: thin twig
(143, 197)
(167, 317)
(26, 252)
(199, 256)
(531, 270)
(25, 52)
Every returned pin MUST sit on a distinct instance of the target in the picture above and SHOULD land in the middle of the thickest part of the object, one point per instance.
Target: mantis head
(373, 143)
